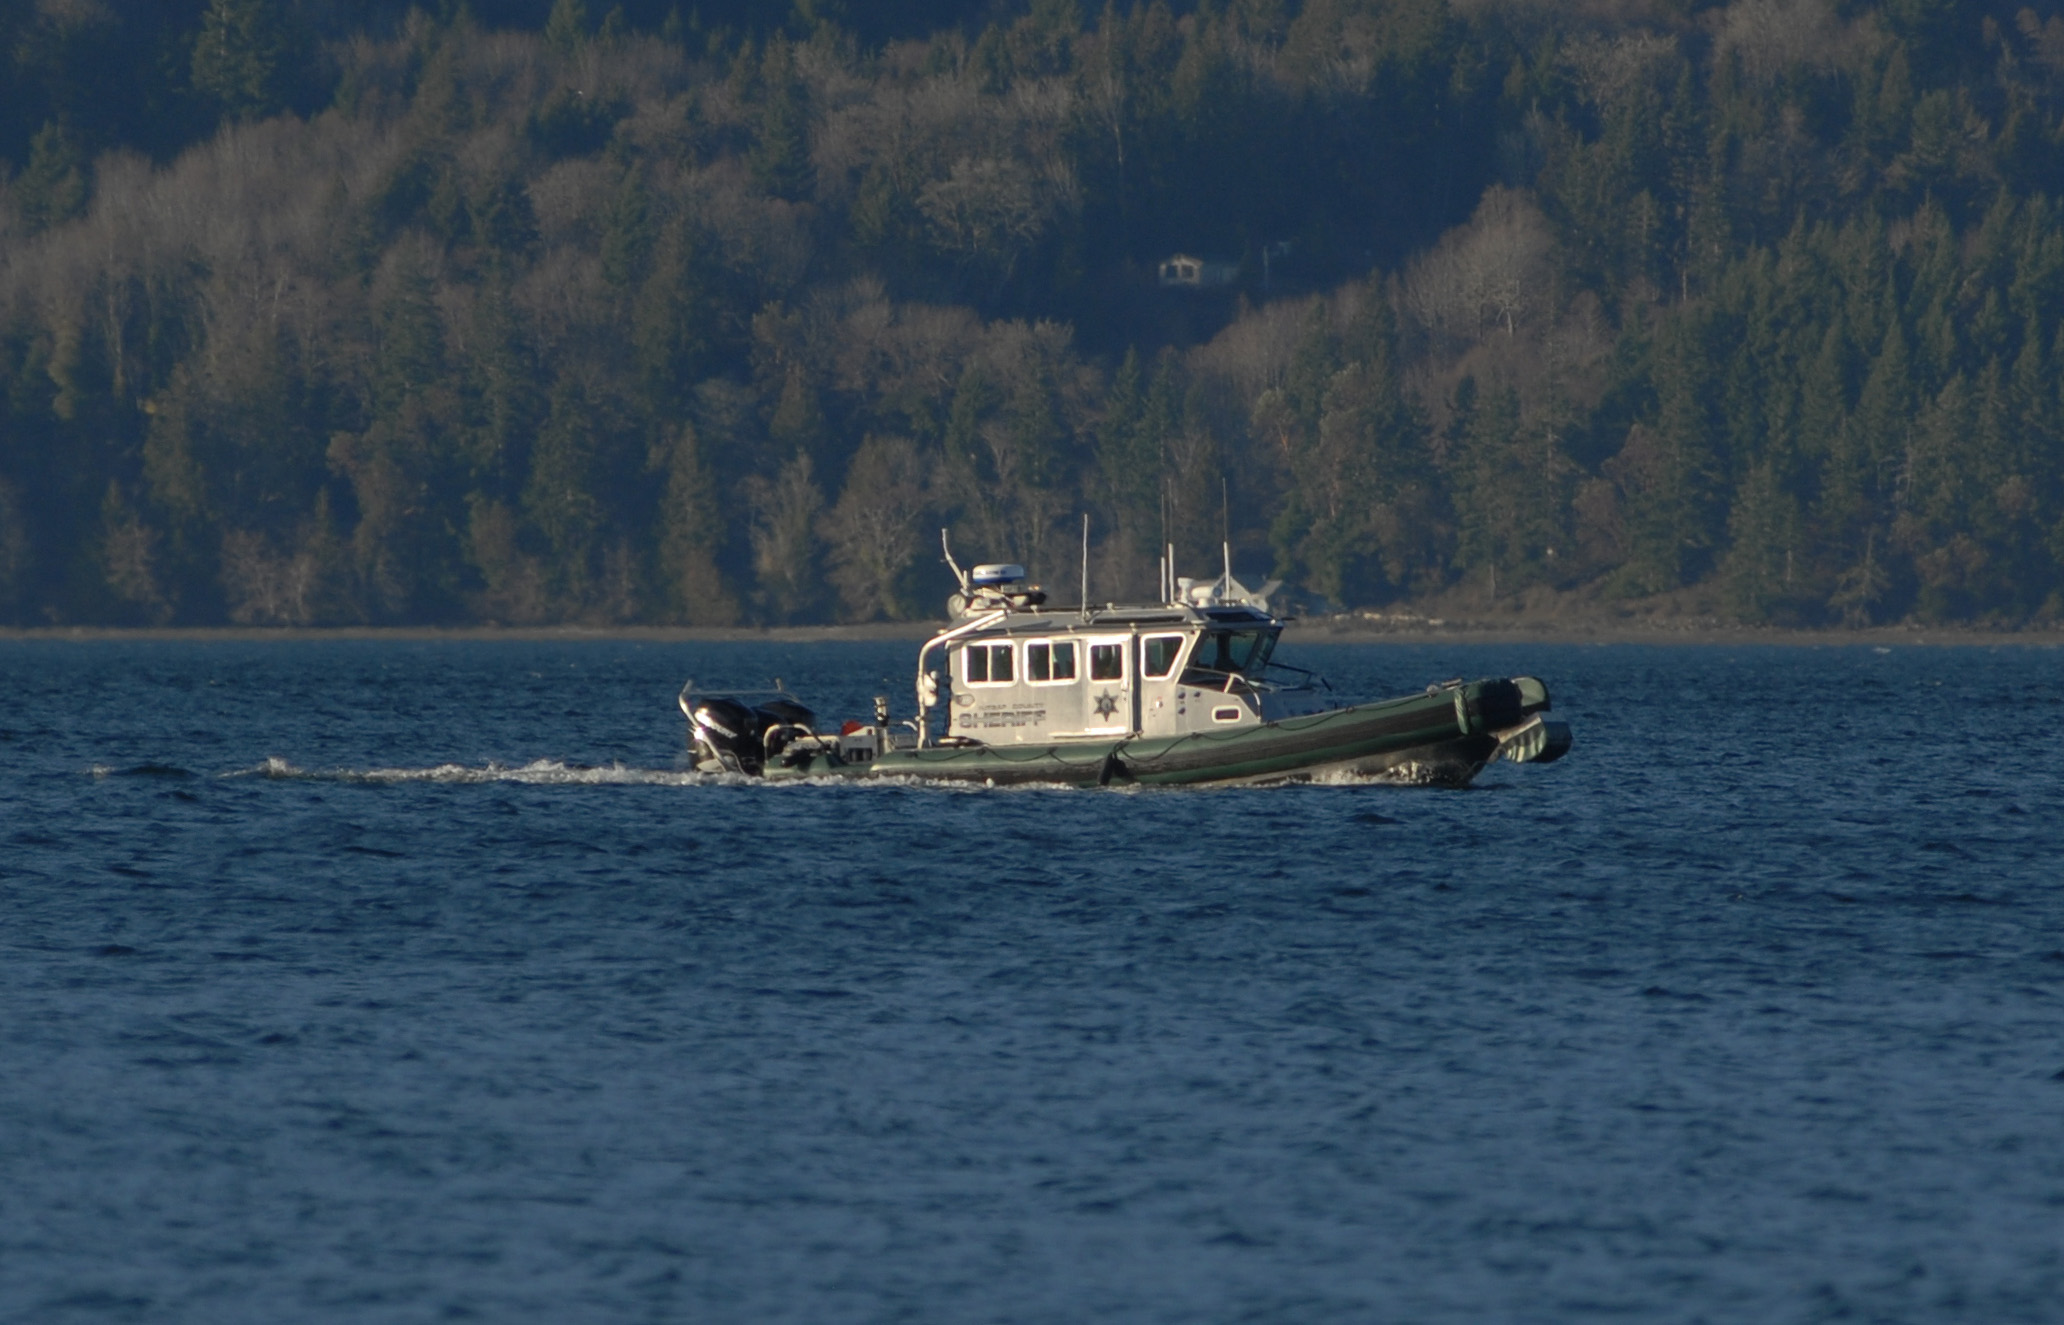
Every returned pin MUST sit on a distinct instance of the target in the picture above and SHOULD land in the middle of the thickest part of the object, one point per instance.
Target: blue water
(386, 981)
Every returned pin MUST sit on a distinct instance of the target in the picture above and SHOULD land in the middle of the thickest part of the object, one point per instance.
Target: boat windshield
(1222, 652)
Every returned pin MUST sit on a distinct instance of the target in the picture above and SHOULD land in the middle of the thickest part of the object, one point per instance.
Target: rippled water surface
(388, 981)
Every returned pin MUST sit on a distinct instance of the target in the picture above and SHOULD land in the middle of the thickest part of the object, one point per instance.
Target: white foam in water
(552, 772)
(1404, 775)
(539, 772)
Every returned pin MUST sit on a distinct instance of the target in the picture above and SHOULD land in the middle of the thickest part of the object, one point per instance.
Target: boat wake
(557, 773)
(554, 773)
(1402, 775)
(540, 772)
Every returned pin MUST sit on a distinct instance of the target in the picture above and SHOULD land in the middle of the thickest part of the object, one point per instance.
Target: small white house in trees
(1197, 273)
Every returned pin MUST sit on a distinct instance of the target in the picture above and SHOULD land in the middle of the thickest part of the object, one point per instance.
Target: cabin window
(1050, 660)
(1223, 653)
(1107, 662)
(988, 664)
(1157, 655)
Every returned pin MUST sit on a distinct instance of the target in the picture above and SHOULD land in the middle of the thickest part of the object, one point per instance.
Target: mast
(1084, 609)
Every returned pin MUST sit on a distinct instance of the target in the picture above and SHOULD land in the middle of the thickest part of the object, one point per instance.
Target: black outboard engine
(731, 731)
(779, 722)
(1496, 704)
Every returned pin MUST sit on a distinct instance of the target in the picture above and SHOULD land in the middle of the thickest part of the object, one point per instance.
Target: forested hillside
(336, 313)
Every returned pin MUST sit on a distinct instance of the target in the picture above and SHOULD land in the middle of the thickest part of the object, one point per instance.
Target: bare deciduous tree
(1767, 37)
(875, 531)
(785, 539)
(1490, 274)
(129, 556)
(263, 586)
(514, 583)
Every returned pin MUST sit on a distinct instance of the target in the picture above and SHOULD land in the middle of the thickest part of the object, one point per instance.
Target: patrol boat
(1186, 690)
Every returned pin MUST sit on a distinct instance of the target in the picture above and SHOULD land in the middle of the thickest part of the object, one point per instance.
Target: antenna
(1163, 586)
(1225, 531)
(1168, 588)
(1085, 565)
(958, 573)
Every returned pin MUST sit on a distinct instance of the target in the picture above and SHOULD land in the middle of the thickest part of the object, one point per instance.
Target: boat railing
(1232, 681)
(927, 685)
(1310, 680)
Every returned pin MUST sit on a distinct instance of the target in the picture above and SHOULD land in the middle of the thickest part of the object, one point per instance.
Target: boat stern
(1533, 738)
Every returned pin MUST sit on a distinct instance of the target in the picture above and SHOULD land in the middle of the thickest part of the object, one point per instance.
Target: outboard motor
(731, 732)
(1495, 705)
(779, 722)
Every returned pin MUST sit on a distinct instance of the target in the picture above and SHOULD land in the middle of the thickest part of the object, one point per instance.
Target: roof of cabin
(1103, 620)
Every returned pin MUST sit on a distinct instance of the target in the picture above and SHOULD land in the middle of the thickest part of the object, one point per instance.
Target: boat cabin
(1044, 677)
(1014, 673)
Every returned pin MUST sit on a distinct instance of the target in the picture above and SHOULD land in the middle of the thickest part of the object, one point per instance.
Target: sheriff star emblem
(1106, 704)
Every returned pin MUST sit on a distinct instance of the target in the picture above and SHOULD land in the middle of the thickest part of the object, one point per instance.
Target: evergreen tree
(560, 498)
(672, 323)
(52, 187)
(1675, 508)
(627, 240)
(410, 359)
(1129, 441)
(1882, 427)
(781, 154)
(241, 57)
(1287, 417)
(2037, 418)
(1764, 526)
(504, 222)
(691, 538)
(568, 26)
(1937, 484)
(1505, 478)
(502, 392)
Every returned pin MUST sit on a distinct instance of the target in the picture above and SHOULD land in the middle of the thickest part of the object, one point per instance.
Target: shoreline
(1700, 633)
(1316, 630)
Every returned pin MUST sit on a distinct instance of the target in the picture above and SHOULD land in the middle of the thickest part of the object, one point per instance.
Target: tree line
(355, 313)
